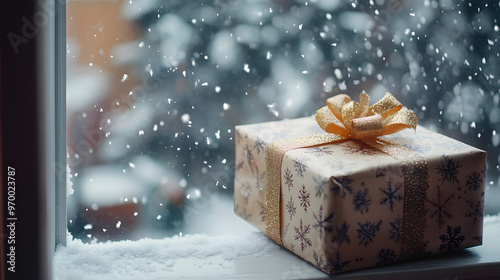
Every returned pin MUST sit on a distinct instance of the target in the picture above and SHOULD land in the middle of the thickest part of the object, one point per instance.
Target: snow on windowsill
(157, 258)
(196, 255)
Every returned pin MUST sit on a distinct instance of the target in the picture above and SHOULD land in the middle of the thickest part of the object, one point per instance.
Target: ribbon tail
(330, 123)
(416, 175)
(274, 157)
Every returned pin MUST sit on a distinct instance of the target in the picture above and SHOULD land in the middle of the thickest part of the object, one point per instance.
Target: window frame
(33, 128)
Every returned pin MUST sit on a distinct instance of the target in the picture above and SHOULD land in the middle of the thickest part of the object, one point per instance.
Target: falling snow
(201, 69)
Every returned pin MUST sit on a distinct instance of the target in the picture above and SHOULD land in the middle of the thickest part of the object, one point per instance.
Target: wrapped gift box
(342, 205)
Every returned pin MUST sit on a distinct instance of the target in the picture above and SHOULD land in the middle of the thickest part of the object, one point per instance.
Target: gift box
(355, 202)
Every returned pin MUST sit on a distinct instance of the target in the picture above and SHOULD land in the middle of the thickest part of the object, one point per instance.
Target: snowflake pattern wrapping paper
(342, 205)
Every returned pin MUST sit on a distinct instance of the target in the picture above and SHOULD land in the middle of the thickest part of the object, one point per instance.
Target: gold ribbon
(353, 120)
(344, 119)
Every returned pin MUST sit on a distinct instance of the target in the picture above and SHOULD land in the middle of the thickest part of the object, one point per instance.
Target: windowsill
(245, 253)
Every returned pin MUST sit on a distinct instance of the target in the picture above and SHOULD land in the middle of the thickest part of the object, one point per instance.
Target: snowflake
(259, 145)
(454, 146)
(238, 135)
(395, 230)
(386, 256)
(381, 171)
(290, 207)
(262, 211)
(319, 262)
(452, 239)
(474, 181)
(288, 178)
(301, 235)
(449, 170)
(322, 223)
(390, 196)
(239, 166)
(422, 250)
(249, 157)
(300, 167)
(337, 265)
(367, 231)
(319, 186)
(319, 151)
(362, 201)
(441, 206)
(341, 235)
(341, 165)
(363, 149)
(341, 185)
(243, 213)
(245, 191)
(478, 238)
(260, 179)
(421, 149)
(304, 198)
(284, 232)
(475, 211)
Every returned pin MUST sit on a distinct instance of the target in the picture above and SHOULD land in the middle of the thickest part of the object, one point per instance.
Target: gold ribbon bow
(352, 120)
(345, 119)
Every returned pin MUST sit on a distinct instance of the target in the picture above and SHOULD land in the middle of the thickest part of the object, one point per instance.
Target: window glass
(155, 88)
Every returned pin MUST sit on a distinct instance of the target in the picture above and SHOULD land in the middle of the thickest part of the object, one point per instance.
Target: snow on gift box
(350, 200)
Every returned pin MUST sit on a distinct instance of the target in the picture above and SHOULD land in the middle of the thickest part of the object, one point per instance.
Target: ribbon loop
(387, 105)
(330, 123)
(336, 103)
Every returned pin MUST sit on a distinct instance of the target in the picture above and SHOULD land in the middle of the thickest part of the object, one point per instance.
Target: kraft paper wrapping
(342, 204)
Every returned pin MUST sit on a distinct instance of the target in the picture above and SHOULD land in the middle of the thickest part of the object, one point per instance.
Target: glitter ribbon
(344, 119)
